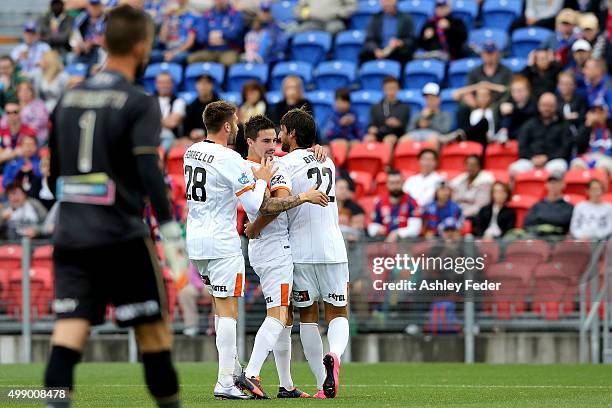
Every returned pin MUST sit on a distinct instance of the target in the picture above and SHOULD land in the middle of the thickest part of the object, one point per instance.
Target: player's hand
(315, 196)
(249, 231)
(266, 171)
(320, 152)
(174, 249)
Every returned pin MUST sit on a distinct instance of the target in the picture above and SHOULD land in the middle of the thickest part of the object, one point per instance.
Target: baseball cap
(265, 6)
(581, 45)
(440, 3)
(588, 21)
(489, 46)
(431, 88)
(30, 26)
(95, 2)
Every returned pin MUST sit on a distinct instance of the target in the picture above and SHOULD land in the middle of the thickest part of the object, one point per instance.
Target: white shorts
(223, 277)
(276, 279)
(312, 282)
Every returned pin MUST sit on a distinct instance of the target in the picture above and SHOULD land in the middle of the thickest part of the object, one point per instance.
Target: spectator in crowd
(472, 189)
(444, 34)
(248, 9)
(56, 27)
(254, 101)
(29, 53)
(481, 122)
(155, 9)
(265, 42)
(442, 214)
(351, 216)
(40, 185)
(390, 35)
(388, 118)
(46, 229)
(491, 71)
(20, 213)
(542, 71)
(598, 85)
(12, 129)
(396, 213)
(564, 36)
(33, 111)
(517, 110)
(88, 33)
(592, 219)
(188, 298)
(25, 168)
(221, 35)
(594, 141)
(540, 13)
(545, 141)
(581, 53)
(552, 215)
(572, 106)
(342, 124)
(172, 108)
(422, 186)
(293, 97)
(494, 220)
(430, 122)
(9, 78)
(589, 31)
(177, 34)
(324, 15)
(51, 81)
(193, 125)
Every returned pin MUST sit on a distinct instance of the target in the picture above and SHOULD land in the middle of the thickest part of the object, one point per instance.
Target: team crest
(244, 179)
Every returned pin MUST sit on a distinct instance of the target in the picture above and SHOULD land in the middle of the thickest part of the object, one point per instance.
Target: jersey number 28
(196, 180)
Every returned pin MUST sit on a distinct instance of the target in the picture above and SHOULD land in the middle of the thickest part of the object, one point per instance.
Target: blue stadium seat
(273, 98)
(419, 72)
(419, 10)
(515, 64)
(322, 103)
(459, 69)
(335, 74)
(372, 73)
(282, 11)
(238, 74)
(413, 98)
(193, 71)
(283, 69)
(348, 45)
(311, 46)
(362, 101)
(175, 70)
(500, 14)
(77, 69)
(476, 38)
(466, 10)
(188, 96)
(525, 40)
(365, 10)
(231, 97)
(448, 104)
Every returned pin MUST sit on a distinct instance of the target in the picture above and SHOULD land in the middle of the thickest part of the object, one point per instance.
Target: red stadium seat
(43, 257)
(576, 180)
(500, 175)
(607, 198)
(406, 155)
(489, 250)
(363, 183)
(511, 299)
(369, 157)
(10, 256)
(574, 199)
(499, 156)
(521, 204)
(454, 154)
(381, 184)
(338, 153)
(279, 151)
(552, 296)
(368, 204)
(241, 219)
(178, 187)
(511, 270)
(574, 256)
(526, 250)
(174, 162)
(40, 295)
(532, 183)
(448, 175)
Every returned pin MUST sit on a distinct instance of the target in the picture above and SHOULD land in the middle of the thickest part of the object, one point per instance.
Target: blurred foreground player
(104, 158)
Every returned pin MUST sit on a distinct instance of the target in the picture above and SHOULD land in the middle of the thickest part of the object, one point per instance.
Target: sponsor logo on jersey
(219, 288)
(206, 280)
(336, 297)
(66, 305)
(300, 295)
(244, 179)
(269, 299)
(278, 179)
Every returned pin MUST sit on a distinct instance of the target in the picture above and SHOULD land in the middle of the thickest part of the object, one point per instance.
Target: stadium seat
(525, 40)
(526, 251)
(232, 97)
(607, 198)
(362, 101)
(458, 71)
(193, 71)
(283, 69)
(466, 10)
(449, 174)
(419, 10)
(279, 152)
(240, 73)
(273, 97)
(368, 204)
(322, 104)
(576, 180)
(512, 270)
(335, 74)
(413, 98)
(188, 96)
(531, 183)
(369, 157)
(365, 10)
(477, 38)
(42, 257)
(574, 255)
(515, 64)
(77, 69)
(500, 156)
(453, 154)
(372, 73)
(380, 184)
(450, 105)
(178, 187)
(363, 183)
(510, 302)
(406, 153)
(574, 199)
(151, 72)
(282, 11)
(338, 152)
(521, 204)
(10, 256)
(174, 161)
(348, 45)
(500, 175)
(501, 13)
(311, 46)
(551, 297)
(489, 250)
(419, 72)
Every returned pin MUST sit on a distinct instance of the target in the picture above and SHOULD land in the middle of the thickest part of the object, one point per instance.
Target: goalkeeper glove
(174, 249)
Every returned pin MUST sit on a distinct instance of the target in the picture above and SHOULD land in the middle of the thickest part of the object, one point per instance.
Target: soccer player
(319, 255)
(104, 139)
(216, 178)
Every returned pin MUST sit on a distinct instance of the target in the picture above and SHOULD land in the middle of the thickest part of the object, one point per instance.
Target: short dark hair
(478, 158)
(425, 151)
(15, 185)
(393, 172)
(389, 79)
(7, 58)
(304, 125)
(216, 114)
(598, 181)
(343, 94)
(205, 77)
(126, 26)
(256, 124)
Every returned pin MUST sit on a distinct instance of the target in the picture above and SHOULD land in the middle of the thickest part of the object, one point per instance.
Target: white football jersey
(314, 232)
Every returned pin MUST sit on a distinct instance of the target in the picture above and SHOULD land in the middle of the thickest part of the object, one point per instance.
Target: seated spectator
(293, 97)
(56, 27)
(33, 111)
(442, 214)
(472, 189)
(594, 141)
(25, 168)
(172, 109)
(324, 15)
(155, 9)
(343, 125)
(254, 97)
(193, 125)
(540, 13)
(390, 35)
(545, 141)
(40, 185)
(598, 85)
(12, 129)
(9, 78)
(29, 53)
(552, 215)
(177, 34)
(444, 33)
(422, 186)
(396, 214)
(88, 33)
(491, 71)
(592, 219)
(51, 81)
(563, 38)
(220, 34)
(589, 31)
(388, 118)
(431, 122)
(517, 110)
(265, 42)
(351, 217)
(46, 229)
(572, 106)
(20, 213)
(480, 122)
(494, 220)
(542, 71)
(581, 53)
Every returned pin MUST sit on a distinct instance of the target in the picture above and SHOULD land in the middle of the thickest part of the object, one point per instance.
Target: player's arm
(253, 229)
(272, 205)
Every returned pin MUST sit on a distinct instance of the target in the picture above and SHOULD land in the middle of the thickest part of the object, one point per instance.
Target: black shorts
(126, 275)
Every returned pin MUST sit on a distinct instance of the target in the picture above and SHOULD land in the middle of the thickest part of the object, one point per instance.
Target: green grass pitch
(372, 385)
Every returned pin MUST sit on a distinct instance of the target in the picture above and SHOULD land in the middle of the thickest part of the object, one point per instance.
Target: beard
(285, 146)
(231, 138)
(396, 193)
